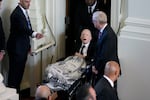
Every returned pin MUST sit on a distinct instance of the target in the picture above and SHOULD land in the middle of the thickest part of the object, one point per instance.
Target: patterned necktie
(99, 34)
(82, 49)
(28, 20)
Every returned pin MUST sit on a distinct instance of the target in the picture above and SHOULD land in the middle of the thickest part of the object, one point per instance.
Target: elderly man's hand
(94, 70)
(79, 55)
(39, 35)
(1, 55)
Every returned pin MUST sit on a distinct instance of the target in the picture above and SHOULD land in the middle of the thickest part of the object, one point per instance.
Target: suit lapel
(102, 38)
(89, 48)
(20, 12)
(114, 92)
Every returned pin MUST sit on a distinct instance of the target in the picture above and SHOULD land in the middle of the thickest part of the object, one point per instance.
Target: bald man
(105, 86)
(43, 92)
(86, 92)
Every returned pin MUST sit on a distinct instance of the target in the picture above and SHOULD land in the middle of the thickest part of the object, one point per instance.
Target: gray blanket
(61, 75)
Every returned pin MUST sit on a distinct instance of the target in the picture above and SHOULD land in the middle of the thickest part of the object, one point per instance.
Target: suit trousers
(16, 70)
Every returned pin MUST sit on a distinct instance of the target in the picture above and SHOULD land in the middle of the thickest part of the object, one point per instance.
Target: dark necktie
(90, 10)
(28, 20)
(82, 49)
(99, 38)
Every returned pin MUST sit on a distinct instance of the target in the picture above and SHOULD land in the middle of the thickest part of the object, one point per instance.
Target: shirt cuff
(34, 34)
(3, 51)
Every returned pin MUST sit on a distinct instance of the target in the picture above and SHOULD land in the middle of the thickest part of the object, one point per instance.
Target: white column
(55, 12)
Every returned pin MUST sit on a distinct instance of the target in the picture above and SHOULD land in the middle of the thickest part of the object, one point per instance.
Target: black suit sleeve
(105, 91)
(90, 53)
(19, 23)
(106, 94)
(2, 36)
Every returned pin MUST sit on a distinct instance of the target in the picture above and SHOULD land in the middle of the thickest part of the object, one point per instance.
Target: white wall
(134, 82)
(134, 52)
(140, 9)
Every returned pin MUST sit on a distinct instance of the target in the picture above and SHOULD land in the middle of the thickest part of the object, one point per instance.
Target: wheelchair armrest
(87, 69)
(90, 62)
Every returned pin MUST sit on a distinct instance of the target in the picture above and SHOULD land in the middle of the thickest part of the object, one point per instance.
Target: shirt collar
(103, 28)
(109, 80)
(86, 45)
(24, 10)
(93, 6)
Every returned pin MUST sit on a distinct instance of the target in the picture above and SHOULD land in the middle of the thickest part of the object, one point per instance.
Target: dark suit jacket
(106, 49)
(2, 37)
(84, 20)
(105, 91)
(90, 51)
(19, 42)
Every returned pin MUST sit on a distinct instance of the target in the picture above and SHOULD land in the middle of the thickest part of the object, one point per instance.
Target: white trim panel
(136, 29)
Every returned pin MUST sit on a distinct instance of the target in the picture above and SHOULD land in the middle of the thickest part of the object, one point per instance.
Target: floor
(25, 95)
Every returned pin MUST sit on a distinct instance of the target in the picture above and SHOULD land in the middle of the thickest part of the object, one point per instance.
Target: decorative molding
(40, 24)
(138, 22)
(136, 29)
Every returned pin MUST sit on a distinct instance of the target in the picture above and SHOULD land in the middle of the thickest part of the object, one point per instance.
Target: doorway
(71, 6)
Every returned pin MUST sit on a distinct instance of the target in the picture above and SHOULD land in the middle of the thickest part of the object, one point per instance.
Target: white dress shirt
(85, 49)
(109, 80)
(92, 7)
(24, 12)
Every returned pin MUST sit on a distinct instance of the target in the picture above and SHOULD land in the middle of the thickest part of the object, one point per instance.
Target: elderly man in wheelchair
(67, 74)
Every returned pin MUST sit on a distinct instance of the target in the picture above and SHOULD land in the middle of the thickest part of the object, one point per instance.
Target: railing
(47, 41)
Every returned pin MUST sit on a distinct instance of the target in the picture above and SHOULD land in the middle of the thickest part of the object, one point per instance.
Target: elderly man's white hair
(99, 16)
